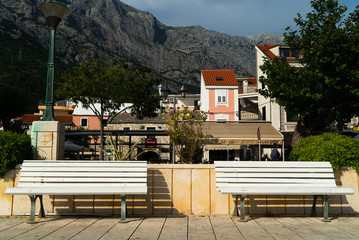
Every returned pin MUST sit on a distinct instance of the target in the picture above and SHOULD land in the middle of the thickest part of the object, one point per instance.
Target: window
(151, 129)
(126, 129)
(241, 87)
(221, 97)
(286, 52)
(264, 113)
(84, 122)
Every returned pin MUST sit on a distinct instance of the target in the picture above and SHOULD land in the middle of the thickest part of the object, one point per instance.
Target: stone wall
(182, 189)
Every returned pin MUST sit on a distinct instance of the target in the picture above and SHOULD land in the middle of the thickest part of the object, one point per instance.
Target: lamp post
(53, 12)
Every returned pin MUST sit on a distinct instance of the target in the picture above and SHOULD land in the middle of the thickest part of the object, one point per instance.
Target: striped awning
(241, 133)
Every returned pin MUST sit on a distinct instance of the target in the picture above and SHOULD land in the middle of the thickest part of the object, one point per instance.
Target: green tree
(14, 148)
(326, 89)
(337, 149)
(187, 132)
(111, 84)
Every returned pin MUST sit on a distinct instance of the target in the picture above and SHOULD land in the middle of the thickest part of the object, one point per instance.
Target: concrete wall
(182, 189)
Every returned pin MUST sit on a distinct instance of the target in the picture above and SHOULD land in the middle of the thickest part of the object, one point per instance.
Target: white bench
(277, 178)
(63, 177)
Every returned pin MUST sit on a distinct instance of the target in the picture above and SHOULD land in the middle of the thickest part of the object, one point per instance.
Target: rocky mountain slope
(110, 29)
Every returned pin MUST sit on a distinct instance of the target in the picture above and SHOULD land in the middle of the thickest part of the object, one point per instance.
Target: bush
(337, 149)
(14, 148)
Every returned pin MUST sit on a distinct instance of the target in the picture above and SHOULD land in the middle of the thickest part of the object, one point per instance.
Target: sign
(150, 142)
(259, 133)
(356, 128)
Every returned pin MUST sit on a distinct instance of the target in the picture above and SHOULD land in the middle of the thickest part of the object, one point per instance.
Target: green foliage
(111, 84)
(121, 152)
(14, 148)
(187, 132)
(325, 90)
(337, 149)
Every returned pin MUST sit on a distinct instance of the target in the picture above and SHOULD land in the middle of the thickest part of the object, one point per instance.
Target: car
(352, 134)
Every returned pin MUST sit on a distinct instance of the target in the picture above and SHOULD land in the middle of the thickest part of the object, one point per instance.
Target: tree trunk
(311, 125)
(101, 140)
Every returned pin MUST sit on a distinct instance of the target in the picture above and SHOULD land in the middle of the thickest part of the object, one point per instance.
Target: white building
(268, 109)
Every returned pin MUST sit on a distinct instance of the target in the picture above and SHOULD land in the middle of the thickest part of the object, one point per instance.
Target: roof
(252, 80)
(219, 77)
(29, 118)
(132, 119)
(266, 49)
(242, 133)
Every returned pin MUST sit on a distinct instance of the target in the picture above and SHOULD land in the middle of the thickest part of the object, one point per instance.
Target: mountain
(110, 29)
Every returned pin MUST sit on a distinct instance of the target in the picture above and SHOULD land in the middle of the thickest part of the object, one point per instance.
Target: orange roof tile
(266, 49)
(252, 80)
(219, 77)
(29, 118)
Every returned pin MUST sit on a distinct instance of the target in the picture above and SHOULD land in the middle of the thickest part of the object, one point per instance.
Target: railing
(249, 116)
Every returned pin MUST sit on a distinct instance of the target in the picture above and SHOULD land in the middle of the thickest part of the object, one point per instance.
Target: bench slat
(273, 185)
(83, 169)
(75, 191)
(274, 180)
(83, 174)
(276, 175)
(279, 170)
(84, 185)
(286, 191)
(82, 179)
(33, 163)
(276, 164)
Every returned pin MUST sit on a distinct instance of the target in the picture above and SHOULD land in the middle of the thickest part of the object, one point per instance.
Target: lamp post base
(48, 140)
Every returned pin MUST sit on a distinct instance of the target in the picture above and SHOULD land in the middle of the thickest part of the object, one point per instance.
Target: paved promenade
(178, 228)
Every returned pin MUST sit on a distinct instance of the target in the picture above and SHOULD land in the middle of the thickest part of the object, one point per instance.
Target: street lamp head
(54, 12)
(165, 90)
(183, 91)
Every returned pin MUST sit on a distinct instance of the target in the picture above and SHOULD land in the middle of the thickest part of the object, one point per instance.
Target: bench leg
(42, 211)
(242, 208)
(314, 210)
(325, 208)
(32, 209)
(235, 210)
(123, 209)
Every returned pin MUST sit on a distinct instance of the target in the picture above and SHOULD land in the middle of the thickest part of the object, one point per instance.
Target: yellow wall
(182, 189)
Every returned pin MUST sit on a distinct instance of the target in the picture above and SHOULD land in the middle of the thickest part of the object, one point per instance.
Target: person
(275, 156)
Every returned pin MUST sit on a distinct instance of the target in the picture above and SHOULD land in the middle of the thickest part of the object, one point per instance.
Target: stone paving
(178, 228)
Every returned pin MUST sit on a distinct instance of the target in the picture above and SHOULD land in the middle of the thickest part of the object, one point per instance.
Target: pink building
(219, 94)
(86, 118)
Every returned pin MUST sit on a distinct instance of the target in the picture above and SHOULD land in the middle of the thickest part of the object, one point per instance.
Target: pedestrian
(275, 156)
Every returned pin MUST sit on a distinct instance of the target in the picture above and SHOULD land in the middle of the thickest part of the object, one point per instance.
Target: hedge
(337, 149)
(14, 148)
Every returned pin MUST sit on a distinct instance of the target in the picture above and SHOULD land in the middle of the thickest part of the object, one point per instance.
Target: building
(177, 101)
(148, 134)
(268, 109)
(219, 94)
(247, 98)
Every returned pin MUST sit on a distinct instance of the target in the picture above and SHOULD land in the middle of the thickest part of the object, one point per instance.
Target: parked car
(352, 134)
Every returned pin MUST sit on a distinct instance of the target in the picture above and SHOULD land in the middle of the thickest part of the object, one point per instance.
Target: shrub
(14, 148)
(337, 149)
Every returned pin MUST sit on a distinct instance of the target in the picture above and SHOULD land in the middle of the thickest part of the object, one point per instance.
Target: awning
(222, 147)
(242, 133)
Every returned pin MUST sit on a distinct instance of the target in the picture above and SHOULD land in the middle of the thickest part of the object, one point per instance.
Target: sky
(233, 17)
